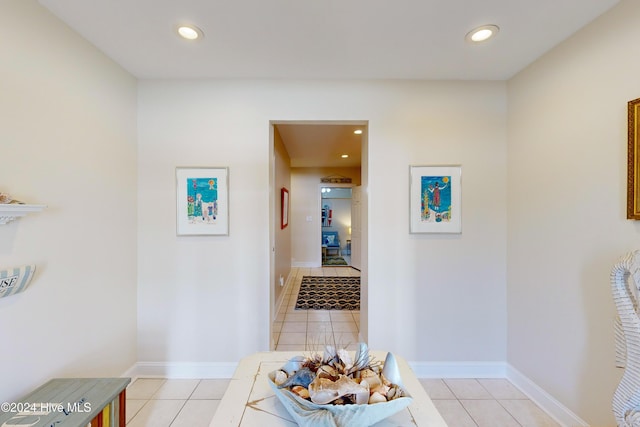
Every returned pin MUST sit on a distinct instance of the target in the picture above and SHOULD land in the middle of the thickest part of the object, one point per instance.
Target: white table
(250, 402)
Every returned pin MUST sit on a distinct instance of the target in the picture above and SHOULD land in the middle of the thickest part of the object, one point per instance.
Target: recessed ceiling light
(190, 32)
(481, 34)
(358, 131)
(344, 156)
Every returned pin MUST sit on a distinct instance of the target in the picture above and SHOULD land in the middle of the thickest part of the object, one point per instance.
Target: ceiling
(322, 144)
(325, 39)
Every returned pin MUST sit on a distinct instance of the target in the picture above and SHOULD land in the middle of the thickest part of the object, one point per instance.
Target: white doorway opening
(301, 154)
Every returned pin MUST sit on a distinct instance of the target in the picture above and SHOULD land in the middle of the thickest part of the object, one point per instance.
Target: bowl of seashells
(6, 199)
(337, 390)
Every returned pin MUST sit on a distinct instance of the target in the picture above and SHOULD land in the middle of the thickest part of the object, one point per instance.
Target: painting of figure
(436, 198)
(202, 200)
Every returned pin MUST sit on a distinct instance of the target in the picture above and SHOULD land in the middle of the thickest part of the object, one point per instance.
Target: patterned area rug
(329, 293)
(334, 260)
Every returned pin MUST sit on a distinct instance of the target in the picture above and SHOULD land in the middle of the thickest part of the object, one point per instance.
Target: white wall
(567, 226)
(282, 236)
(431, 297)
(67, 140)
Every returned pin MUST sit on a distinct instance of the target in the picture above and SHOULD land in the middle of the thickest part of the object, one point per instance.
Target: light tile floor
(313, 329)
(154, 402)
(462, 402)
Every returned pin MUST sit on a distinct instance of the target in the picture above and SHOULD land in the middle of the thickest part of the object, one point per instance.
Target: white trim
(191, 370)
(283, 293)
(458, 369)
(563, 415)
(560, 413)
(130, 373)
(10, 212)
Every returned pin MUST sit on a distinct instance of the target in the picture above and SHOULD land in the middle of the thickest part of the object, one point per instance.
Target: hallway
(313, 329)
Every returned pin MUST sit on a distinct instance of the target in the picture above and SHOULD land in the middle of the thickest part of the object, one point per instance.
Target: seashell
(373, 381)
(323, 390)
(395, 392)
(391, 370)
(338, 365)
(382, 389)
(280, 377)
(365, 373)
(294, 364)
(329, 353)
(391, 394)
(362, 353)
(327, 371)
(303, 377)
(346, 360)
(300, 391)
(361, 360)
(385, 381)
(377, 398)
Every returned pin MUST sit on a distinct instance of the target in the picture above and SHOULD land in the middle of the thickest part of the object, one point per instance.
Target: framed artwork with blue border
(435, 199)
(202, 199)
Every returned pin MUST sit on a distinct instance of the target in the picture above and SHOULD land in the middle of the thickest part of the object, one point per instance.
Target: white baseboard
(189, 370)
(280, 301)
(131, 372)
(563, 415)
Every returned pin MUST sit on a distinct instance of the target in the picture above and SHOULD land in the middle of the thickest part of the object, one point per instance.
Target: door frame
(319, 208)
(274, 218)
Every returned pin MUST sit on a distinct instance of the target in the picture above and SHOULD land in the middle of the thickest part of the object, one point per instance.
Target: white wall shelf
(9, 212)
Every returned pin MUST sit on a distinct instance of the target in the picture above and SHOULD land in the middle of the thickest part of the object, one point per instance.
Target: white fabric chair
(625, 282)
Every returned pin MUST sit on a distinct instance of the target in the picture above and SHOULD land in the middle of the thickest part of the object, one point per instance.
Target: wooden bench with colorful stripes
(70, 402)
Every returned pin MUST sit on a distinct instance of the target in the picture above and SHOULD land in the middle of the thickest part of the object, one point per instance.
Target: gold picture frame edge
(633, 190)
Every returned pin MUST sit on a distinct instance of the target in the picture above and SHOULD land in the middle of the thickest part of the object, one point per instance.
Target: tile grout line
(500, 404)
(460, 403)
(178, 413)
(508, 412)
(493, 398)
(138, 411)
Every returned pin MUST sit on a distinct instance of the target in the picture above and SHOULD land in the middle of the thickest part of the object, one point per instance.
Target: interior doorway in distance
(335, 224)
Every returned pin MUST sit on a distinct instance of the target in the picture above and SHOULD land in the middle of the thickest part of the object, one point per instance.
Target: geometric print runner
(329, 293)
